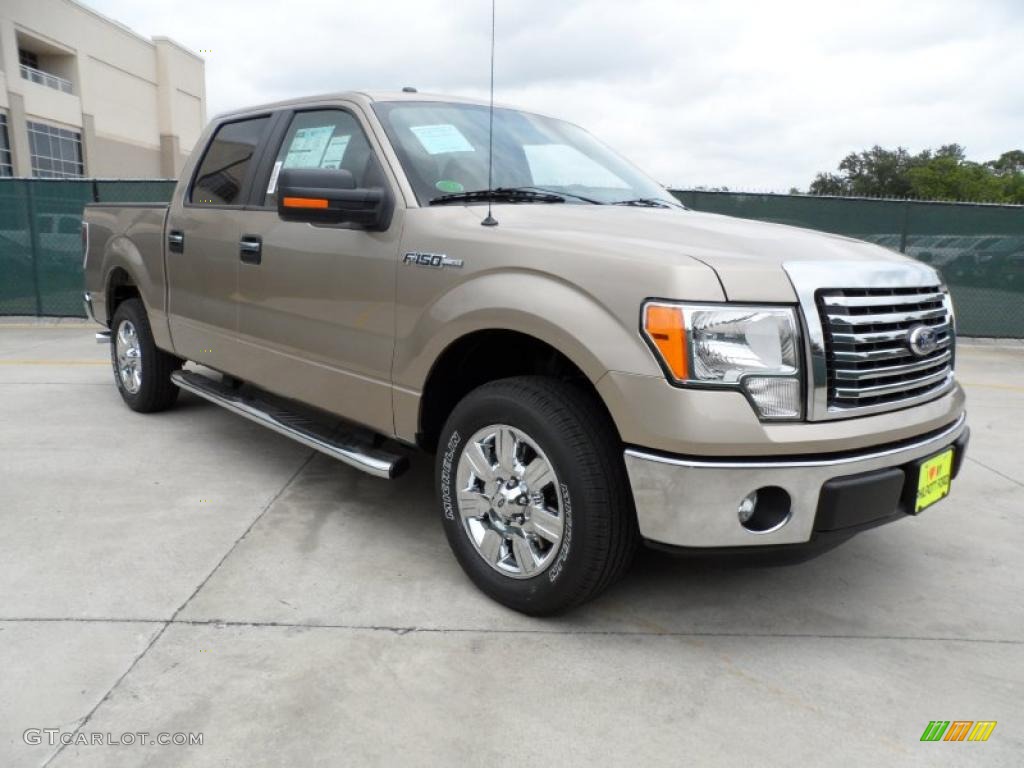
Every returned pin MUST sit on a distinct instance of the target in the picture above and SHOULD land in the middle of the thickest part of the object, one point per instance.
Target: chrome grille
(868, 359)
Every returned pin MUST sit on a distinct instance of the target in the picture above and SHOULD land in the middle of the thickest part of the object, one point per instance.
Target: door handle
(176, 241)
(250, 249)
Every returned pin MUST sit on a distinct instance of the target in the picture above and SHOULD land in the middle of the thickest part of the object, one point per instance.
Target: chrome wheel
(510, 502)
(129, 357)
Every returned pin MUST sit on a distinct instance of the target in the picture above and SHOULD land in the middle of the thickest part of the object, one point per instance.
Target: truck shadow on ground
(334, 521)
(761, 590)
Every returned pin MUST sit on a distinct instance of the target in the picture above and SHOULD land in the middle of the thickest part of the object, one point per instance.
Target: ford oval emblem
(922, 340)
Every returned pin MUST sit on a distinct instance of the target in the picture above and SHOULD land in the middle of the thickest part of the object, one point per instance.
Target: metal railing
(45, 78)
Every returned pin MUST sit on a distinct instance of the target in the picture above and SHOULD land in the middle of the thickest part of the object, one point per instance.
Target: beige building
(82, 95)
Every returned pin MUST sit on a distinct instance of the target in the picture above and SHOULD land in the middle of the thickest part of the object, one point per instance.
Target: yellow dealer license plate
(933, 480)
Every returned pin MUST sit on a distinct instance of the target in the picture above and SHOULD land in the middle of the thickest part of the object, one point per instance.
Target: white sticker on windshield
(441, 139)
(559, 165)
(335, 152)
(307, 148)
(272, 186)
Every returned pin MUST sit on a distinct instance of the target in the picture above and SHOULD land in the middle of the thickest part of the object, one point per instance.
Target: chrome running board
(344, 442)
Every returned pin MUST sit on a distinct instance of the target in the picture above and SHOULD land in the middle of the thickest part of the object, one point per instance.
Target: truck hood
(748, 256)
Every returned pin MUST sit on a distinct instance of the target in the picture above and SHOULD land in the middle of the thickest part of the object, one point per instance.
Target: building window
(29, 66)
(56, 152)
(28, 59)
(6, 166)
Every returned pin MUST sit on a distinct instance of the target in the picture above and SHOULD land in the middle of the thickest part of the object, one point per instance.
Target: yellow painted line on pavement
(48, 326)
(54, 362)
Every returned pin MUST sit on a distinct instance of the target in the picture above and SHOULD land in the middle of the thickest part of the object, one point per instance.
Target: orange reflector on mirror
(304, 202)
(665, 327)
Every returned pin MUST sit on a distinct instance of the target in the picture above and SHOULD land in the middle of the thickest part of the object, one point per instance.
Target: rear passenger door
(204, 227)
(316, 307)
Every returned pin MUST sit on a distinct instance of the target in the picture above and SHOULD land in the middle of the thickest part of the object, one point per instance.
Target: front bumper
(693, 502)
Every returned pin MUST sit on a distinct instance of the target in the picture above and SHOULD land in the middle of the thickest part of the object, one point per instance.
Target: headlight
(755, 349)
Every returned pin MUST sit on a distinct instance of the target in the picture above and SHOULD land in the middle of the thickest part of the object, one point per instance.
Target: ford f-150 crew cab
(592, 364)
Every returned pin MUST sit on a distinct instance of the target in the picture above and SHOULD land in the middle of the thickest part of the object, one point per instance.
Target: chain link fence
(978, 248)
(41, 238)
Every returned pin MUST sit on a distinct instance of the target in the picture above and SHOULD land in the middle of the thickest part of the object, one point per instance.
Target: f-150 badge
(438, 260)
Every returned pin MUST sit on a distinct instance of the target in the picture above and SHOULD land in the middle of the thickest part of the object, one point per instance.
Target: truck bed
(135, 232)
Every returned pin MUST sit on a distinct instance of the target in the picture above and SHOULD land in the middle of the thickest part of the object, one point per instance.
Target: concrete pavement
(193, 572)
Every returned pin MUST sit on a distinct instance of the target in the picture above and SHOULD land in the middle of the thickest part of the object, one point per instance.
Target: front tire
(534, 496)
(141, 370)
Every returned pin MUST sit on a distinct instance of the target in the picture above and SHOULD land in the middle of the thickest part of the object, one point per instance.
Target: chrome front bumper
(689, 502)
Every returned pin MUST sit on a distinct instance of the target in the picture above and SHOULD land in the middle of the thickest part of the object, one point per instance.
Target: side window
(326, 138)
(222, 172)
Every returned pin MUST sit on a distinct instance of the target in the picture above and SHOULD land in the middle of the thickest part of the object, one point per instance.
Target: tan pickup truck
(592, 364)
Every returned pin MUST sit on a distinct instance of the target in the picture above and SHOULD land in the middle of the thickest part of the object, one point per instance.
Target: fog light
(747, 507)
(765, 510)
(776, 397)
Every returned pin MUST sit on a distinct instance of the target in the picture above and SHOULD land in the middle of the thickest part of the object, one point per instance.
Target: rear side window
(224, 167)
(326, 138)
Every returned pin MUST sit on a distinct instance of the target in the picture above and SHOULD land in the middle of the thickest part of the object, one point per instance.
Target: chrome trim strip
(881, 301)
(103, 337)
(952, 430)
(851, 393)
(844, 411)
(877, 336)
(852, 321)
(919, 364)
(372, 461)
(87, 301)
(885, 353)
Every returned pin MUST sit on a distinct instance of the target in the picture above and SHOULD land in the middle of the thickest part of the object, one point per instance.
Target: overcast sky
(749, 95)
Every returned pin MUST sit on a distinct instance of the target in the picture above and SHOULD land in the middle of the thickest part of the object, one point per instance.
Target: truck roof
(364, 97)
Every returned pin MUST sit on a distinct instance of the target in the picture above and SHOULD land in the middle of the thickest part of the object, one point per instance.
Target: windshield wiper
(647, 202)
(573, 195)
(500, 194)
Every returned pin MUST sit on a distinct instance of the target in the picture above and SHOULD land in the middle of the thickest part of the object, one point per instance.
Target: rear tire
(534, 495)
(141, 370)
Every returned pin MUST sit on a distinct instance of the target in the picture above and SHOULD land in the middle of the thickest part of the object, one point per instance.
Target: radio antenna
(490, 221)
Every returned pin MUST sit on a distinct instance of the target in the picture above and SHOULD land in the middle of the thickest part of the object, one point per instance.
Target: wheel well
(119, 288)
(485, 356)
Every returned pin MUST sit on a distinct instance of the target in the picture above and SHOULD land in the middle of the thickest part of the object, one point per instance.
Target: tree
(941, 174)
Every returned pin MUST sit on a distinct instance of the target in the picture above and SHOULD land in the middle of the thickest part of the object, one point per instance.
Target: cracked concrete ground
(193, 572)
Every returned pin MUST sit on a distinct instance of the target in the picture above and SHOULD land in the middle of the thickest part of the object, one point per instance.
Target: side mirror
(330, 196)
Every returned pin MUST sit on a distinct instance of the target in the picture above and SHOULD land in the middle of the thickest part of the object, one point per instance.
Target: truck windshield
(443, 148)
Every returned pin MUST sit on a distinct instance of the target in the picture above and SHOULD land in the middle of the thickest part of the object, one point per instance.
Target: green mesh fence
(41, 238)
(979, 249)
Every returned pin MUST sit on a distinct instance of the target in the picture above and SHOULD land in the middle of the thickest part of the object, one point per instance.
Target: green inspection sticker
(447, 185)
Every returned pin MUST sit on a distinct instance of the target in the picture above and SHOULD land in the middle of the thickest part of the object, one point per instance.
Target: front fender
(536, 304)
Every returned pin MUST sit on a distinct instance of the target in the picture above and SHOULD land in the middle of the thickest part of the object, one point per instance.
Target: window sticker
(335, 152)
(449, 186)
(272, 186)
(441, 139)
(559, 165)
(307, 147)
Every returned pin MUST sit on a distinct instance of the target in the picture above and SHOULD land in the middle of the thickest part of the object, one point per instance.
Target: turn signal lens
(667, 331)
(304, 202)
